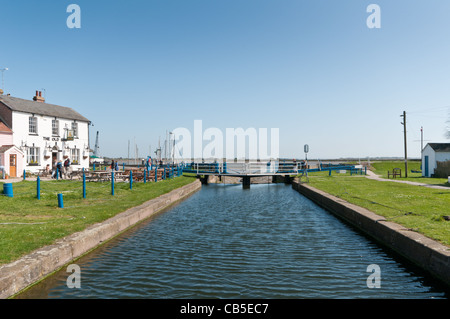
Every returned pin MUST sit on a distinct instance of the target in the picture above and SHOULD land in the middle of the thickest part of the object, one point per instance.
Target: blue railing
(270, 168)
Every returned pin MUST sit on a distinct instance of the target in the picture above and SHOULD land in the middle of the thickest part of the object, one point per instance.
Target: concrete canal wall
(426, 253)
(32, 268)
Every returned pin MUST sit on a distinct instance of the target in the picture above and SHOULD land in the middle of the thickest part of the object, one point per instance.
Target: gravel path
(372, 175)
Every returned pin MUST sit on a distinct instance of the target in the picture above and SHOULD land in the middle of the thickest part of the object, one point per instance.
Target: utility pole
(421, 139)
(404, 134)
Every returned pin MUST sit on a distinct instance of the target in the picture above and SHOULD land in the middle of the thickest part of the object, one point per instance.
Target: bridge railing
(199, 168)
(258, 168)
(272, 167)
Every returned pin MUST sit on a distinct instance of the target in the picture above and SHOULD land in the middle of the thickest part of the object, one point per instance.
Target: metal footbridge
(259, 169)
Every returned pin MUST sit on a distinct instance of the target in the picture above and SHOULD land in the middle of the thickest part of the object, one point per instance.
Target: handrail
(258, 168)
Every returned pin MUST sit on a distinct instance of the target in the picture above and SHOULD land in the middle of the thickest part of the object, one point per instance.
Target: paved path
(372, 175)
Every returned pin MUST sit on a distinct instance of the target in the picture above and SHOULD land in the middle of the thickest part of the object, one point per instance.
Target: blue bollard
(60, 201)
(57, 172)
(24, 175)
(94, 166)
(8, 190)
(84, 185)
(112, 183)
(164, 176)
(123, 166)
(156, 175)
(145, 176)
(38, 188)
(131, 180)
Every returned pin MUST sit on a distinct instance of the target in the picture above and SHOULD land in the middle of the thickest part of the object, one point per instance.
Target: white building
(45, 133)
(433, 153)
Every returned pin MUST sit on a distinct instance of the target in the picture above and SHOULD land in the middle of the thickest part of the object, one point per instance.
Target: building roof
(440, 147)
(5, 148)
(4, 128)
(40, 108)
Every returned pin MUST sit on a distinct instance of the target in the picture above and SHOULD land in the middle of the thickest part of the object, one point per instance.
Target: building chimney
(38, 97)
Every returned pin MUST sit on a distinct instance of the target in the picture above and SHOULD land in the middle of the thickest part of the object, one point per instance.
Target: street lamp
(3, 81)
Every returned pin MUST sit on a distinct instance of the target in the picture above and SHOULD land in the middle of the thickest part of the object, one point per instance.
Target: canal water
(226, 242)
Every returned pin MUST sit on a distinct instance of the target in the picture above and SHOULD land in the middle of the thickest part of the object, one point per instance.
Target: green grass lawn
(415, 207)
(27, 223)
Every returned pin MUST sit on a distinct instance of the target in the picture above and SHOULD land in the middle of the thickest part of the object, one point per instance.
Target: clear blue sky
(312, 68)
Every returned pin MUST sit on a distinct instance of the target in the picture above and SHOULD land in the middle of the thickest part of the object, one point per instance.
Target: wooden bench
(395, 172)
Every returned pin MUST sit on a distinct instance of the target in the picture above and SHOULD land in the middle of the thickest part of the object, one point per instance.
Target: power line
(436, 109)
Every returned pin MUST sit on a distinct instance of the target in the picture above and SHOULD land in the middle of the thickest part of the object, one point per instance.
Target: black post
(404, 135)
(246, 182)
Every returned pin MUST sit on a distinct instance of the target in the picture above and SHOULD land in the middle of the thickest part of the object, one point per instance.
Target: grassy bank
(27, 223)
(418, 208)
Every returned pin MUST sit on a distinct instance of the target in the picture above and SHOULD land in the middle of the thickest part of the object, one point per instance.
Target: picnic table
(97, 176)
(105, 176)
(76, 173)
(42, 172)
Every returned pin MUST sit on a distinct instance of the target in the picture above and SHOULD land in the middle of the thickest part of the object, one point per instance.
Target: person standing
(67, 169)
(54, 169)
(59, 168)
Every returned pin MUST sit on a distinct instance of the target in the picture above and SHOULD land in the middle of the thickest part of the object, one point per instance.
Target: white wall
(433, 158)
(44, 139)
(428, 151)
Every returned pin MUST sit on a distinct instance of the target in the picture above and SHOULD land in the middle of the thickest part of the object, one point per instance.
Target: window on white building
(33, 156)
(32, 127)
(55, 127)
(75, 156)
(75, 129)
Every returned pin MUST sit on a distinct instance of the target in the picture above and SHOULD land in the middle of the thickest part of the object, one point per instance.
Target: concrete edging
(28, 270)
(424, 252)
